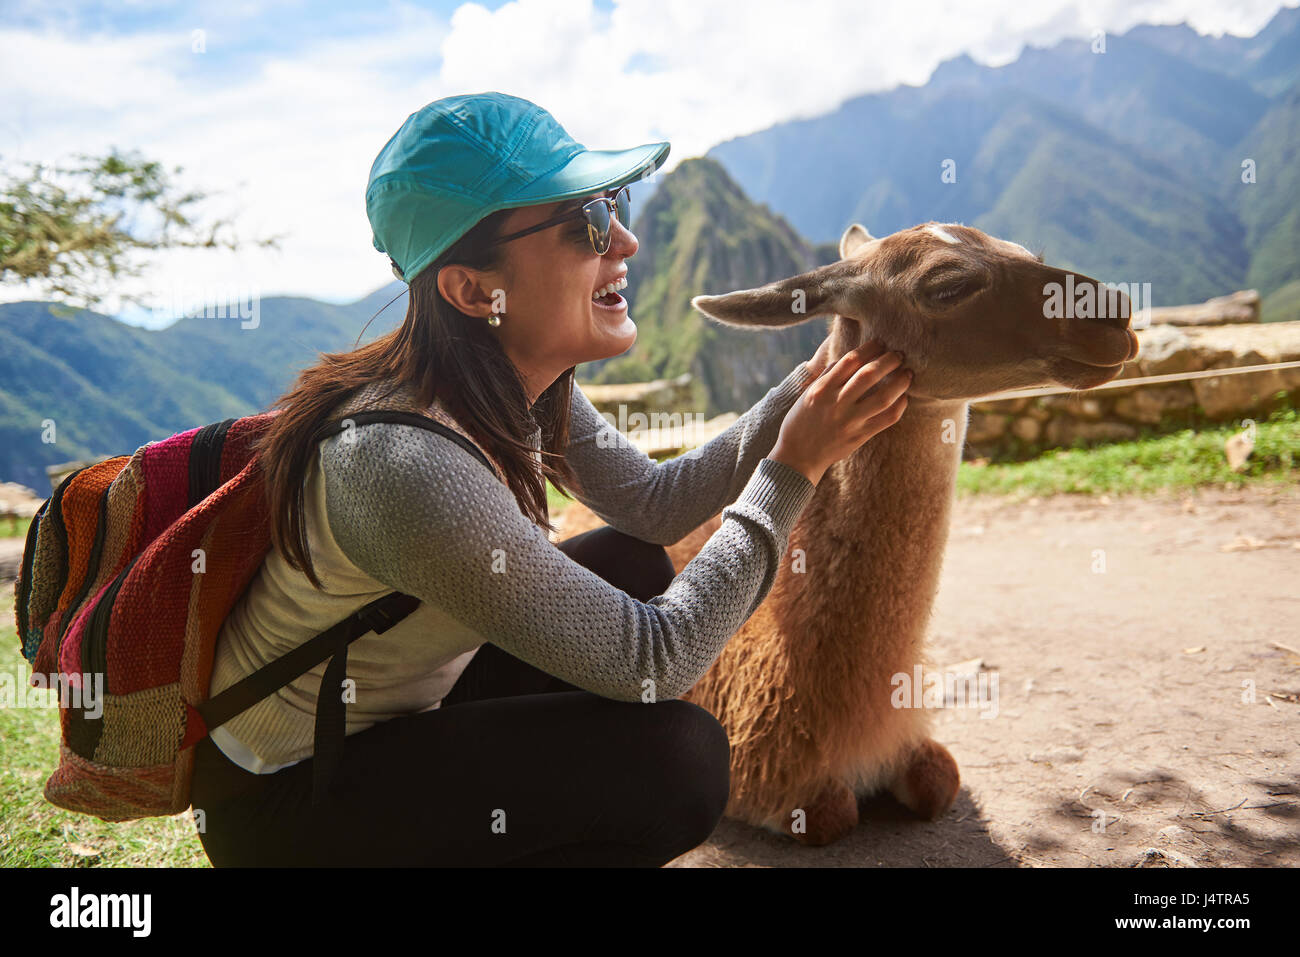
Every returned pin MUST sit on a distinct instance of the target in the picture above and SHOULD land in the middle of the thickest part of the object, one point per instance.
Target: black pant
(515, 768)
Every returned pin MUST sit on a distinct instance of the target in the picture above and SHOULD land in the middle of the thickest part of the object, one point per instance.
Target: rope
(1143, 380)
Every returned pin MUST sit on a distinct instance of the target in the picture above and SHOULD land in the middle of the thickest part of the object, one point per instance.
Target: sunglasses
(599, 214)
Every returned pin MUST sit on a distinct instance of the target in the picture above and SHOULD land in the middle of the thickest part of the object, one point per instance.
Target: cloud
(285, 110)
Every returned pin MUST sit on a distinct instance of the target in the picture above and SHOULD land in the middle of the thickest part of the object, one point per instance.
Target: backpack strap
(332, 644)
(407, 418)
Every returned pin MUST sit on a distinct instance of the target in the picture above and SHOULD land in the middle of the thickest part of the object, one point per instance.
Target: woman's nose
(621, 241)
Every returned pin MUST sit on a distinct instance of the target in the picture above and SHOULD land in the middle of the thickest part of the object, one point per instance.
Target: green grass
(35, 833)
(14, 527)
(1179, 460)
(1282, 305)
(556, 502)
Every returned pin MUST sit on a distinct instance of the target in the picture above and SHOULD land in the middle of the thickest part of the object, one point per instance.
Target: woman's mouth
(607, 296)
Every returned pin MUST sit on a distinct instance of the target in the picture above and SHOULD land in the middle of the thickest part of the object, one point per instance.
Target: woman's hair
(445, 354)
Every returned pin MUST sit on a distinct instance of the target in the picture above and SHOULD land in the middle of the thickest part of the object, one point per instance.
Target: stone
(1072, 403)
(1241, 306)
(1064, 431)
(1238, 448)
(1026, 429)
(1165, 349)
(1087, 408)
(1104, 431)
(1006, 406)
(1224, 397)
(985, 427)
(1149, 404)
(662, 395)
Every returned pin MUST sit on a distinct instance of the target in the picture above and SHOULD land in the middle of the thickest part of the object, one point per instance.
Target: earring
(494, 320)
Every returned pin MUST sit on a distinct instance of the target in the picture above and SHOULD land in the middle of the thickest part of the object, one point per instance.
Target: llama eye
(946, 289)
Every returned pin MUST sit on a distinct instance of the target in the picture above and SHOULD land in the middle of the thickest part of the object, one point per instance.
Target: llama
(806, 689)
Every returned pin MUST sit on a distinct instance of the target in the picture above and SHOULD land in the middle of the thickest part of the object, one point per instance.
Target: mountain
(109, 388)
(1269, 208)
(1171, 108)
(1269, 61)
(698, 233)
(1124, 164)
(1066, 197)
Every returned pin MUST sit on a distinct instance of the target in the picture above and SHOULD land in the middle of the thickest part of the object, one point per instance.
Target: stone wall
(662, 395)
(1242, 306)
(1018, 428)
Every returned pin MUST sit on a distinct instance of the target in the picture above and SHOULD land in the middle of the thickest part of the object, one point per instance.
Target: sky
(277, 108)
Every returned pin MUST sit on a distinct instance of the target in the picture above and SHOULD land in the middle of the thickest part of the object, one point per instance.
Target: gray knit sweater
(400, 508)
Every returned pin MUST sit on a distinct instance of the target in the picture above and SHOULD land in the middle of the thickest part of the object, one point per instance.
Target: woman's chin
(615, 339)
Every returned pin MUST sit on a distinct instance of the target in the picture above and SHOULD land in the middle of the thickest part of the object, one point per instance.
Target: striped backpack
(129, 571)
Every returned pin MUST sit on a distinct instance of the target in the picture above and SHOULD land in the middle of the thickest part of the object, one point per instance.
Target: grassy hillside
(1270, 207)
(109, 388)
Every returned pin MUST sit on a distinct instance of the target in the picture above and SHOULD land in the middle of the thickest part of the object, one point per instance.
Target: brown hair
(444, 354)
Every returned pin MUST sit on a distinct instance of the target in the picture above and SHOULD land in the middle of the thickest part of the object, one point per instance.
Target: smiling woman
(524, 712)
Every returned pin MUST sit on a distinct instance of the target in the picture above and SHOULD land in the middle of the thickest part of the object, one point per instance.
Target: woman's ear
(464, 288)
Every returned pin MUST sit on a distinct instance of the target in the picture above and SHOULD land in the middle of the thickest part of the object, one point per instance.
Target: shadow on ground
(887, 835)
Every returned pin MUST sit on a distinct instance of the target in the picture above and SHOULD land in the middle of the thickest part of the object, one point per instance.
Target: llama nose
(1111, 305)
(1123, 311)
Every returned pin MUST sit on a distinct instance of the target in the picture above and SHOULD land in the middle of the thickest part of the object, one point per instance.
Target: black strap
(331, 709)
(397, 417)
(378, 616)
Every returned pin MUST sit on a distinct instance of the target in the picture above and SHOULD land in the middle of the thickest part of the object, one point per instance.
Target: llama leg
(928, 782)
(829, 816)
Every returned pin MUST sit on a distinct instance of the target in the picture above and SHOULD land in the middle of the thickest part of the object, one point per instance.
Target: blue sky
(279, 108)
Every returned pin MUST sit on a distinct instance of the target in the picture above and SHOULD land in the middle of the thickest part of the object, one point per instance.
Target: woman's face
(544, 289)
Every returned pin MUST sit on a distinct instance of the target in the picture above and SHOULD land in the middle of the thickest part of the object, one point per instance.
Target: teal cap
(463, 157)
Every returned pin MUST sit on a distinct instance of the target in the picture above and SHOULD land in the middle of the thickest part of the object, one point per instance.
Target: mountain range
(108, 387)
(1125, 164)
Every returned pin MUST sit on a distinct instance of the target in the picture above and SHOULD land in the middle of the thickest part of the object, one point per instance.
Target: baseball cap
(463, 157)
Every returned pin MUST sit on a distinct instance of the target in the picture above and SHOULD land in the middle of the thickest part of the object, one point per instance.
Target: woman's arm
(421, 515)
(662, 502)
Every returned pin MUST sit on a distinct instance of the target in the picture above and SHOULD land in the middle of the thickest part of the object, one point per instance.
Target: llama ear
(854, 237)
(786, 302)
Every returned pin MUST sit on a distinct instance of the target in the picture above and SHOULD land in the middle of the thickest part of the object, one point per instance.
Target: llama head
(974, 314)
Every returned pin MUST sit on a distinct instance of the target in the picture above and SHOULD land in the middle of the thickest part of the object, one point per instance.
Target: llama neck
(873, 538)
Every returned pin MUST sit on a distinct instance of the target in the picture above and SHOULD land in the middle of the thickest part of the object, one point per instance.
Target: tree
(74, 228)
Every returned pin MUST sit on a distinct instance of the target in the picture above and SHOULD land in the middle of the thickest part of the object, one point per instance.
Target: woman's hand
(821, 358)
(856, 399)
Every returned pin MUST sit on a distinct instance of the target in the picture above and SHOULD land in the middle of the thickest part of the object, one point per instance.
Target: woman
(526, 713)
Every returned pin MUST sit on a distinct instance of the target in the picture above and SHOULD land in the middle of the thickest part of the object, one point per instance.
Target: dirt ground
(1145, 713)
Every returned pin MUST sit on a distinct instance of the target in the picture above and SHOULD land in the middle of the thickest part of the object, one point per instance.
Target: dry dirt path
(1124, 694)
